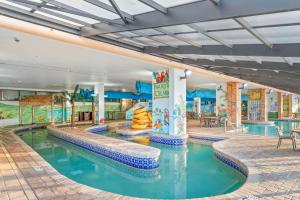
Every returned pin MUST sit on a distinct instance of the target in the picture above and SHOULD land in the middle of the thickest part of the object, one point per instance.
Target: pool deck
(273, 174)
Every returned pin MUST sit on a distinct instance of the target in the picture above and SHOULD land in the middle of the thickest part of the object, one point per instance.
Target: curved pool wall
(188, 171)
(120, 153)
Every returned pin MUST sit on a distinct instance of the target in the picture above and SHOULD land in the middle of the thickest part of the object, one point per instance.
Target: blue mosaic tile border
(167, 141)
(141, 163)
(211, 139)
(98, 129)
(231, 163)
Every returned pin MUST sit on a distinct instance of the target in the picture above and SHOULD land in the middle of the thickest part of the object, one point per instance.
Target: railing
(234, 126)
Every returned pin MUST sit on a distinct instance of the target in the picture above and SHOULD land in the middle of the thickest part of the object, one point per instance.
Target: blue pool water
(184, 172)
(270, 130)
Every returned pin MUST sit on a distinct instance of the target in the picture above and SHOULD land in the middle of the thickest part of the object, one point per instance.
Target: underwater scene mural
(160, 103)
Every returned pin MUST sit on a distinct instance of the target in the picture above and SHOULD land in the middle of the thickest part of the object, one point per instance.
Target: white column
(99, 103)
(221, 100)
(169, 102)
(177, 101)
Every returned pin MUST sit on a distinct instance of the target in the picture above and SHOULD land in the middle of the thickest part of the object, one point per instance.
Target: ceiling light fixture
(243, 86)
(270, 91)
(186, 74)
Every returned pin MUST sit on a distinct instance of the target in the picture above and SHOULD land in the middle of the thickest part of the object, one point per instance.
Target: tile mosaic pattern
(118, 155)
(98, 129)
(231, 163)
(168, 140)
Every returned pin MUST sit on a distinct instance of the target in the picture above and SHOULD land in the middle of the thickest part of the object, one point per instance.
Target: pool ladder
(235, 126)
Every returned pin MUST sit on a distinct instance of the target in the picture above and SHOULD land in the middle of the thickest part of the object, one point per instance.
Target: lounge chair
(282, 136)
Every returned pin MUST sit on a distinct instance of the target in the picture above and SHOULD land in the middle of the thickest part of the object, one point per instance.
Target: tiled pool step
(132, 154)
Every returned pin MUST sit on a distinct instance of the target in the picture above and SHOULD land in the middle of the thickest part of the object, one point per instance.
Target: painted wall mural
(160, 104)
(295, 104)
(254, 97)
(221, 100)
(254, 94)
(9, 113)
(179, 116)
(253, 109)
(273, 102)
(161, 84)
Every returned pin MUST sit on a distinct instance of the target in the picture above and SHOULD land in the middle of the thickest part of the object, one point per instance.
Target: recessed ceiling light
(277, 71)
(253, 69)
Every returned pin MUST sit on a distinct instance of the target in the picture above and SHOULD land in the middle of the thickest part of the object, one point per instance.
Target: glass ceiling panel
(279, 35)
(236, 37)
(57, 18)
(198, 38)
(178, 29)
(275, 18)
(169, 40)
(90, 8)
(135, 42)
(171, 3)
(132, 7)
(149, 42)
(15, 5)
(147, 32)
(84, 19)
(127, 34)
(220, 24)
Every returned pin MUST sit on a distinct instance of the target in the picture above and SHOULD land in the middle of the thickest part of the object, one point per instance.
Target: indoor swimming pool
(270, 130)
(184, 172)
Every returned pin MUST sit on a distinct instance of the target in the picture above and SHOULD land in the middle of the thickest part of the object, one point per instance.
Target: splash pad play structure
(141, 123)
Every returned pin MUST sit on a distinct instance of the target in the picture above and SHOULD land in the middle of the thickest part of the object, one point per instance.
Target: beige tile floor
(273, 174)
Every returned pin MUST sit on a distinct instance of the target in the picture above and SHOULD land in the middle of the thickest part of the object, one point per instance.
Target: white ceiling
(41, 63)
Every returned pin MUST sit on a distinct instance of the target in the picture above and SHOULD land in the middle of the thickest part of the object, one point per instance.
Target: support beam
(253, 65)
(288, 61)
(109, 8)
(152, 38)
(118, 11)
(256, 34)
(206, 11)
(215, 2)
(155, 6)
(278, 50)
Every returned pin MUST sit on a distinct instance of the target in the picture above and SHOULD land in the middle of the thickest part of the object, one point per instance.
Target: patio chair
(282, 136)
